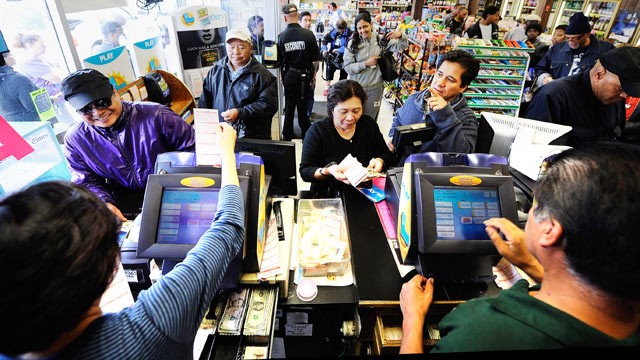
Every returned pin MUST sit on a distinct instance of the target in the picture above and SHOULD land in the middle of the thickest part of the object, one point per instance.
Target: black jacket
(297, 49)
(254, 93)
(475, 32)
(570, 101)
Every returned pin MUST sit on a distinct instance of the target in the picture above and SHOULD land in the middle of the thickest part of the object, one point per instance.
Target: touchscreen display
(460, 212)
(185, 214)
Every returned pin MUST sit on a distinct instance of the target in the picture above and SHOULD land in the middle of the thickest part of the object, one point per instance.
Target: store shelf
(502, 66)
(499, 85)
(494, 106)
(493, 86)
(410, 78)
(489, 96)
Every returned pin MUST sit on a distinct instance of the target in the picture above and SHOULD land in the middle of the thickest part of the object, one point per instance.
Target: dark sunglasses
(98, 104)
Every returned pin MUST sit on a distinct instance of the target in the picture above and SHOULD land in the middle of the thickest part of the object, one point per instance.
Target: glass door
(511, 8)
(30, 28)
(553, 13)
(567, 9)
(601, 15)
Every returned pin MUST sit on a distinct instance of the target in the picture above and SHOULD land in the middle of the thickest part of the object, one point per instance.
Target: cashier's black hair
(594, 193)
(59, 254)
(344, 90)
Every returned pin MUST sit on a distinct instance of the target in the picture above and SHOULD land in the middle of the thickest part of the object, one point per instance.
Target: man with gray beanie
(592, 102)
(576, 54)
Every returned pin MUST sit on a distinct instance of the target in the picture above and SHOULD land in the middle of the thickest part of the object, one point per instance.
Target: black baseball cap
(289, 9)
(624, 62)
(86, 86)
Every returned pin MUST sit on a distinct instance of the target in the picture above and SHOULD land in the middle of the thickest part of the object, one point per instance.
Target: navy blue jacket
(456, 124)
(570, 101)
(557, 61)
(334, 40)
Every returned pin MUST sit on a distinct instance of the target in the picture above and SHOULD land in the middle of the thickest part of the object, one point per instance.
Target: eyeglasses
(576, 38)
(98, 104)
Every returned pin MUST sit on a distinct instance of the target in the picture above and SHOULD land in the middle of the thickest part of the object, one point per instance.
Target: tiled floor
(385, 117)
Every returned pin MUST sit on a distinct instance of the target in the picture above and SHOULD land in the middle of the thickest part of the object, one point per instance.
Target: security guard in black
(297, 50)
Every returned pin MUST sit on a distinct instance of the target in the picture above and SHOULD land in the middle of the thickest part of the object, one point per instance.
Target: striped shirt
(162, 324)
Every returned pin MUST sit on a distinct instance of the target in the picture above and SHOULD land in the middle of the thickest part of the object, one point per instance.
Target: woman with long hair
(361, 59)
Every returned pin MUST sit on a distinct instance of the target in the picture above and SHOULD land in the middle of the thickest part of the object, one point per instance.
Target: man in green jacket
(580, 247)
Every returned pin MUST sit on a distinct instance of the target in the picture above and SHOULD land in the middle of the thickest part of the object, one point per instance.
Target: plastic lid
(307, 290)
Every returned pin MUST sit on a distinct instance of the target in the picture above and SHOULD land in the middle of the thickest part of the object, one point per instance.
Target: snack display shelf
(500, 82)
(499, 77)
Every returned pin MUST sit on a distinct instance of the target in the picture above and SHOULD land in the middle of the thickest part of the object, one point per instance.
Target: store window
(28, 28)
(37, 28)
(137, 21)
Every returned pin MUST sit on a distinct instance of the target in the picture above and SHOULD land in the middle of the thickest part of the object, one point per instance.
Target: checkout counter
(362, 318)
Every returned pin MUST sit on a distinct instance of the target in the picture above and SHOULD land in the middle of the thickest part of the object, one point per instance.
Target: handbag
(388, 67)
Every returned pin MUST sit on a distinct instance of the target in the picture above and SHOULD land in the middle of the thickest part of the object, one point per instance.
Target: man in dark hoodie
(444, 105)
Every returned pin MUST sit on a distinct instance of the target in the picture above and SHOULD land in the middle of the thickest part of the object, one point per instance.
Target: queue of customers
(246, 94)
(113, 150)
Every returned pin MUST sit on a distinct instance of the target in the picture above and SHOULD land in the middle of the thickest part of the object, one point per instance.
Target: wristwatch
(327, 167)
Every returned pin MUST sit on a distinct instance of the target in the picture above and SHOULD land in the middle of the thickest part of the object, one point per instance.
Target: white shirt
(517, 34)
(486, 31)
(337, 15)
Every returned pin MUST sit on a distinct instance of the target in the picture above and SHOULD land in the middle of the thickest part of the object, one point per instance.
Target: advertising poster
(149, 56)
(114, 64)
(201, 48)
(624, 26)
(200, 32)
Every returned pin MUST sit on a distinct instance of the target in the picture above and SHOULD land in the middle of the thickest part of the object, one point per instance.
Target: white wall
(71, 6)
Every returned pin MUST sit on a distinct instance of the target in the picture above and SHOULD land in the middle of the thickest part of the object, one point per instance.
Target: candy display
(503, 65)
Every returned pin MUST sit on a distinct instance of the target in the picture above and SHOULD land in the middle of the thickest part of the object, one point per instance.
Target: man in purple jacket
(114, 149)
